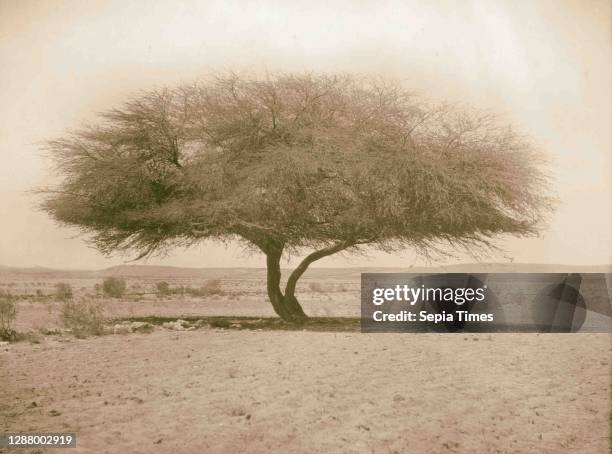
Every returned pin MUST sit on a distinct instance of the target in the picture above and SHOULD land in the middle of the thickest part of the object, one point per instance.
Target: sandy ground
(34, 315)
(221, 391)
(278, 391)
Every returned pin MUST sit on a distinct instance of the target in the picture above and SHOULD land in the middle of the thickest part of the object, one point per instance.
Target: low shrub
(212, 287)
(63, 291)
(163, 288)
(83, 317)
(8, 313)
(114, 287)
(315, 287)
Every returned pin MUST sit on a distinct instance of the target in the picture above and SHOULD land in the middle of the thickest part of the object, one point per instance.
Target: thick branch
(303, 266)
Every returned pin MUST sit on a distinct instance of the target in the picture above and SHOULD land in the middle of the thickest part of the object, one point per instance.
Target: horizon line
(33, 267)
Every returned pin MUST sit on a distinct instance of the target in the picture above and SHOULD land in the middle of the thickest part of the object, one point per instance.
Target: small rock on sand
(179, 325)
(133, 327)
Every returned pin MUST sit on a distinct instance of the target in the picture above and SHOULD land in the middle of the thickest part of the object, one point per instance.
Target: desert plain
(221, 388)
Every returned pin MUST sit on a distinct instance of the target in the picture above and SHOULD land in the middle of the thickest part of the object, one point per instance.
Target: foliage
(63, 291)
(114, 287)
(291, 162)
(315, 287)
(83, 317)
(210, 288)
(163, 288)
(8, 313)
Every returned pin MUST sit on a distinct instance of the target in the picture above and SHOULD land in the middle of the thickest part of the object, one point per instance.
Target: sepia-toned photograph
(261, 226)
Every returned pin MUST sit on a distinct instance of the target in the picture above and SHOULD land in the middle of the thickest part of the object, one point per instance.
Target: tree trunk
(287, 306)
(295, 308)
(288, 309)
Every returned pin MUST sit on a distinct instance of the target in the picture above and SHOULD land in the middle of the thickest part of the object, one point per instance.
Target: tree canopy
(292, 162)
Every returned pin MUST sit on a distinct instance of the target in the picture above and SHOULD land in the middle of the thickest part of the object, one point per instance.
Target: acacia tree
(290, 163)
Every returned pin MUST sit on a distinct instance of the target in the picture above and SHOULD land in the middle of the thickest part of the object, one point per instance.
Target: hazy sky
(545, 64)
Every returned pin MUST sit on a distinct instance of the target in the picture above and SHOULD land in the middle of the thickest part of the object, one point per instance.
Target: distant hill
(350, 273)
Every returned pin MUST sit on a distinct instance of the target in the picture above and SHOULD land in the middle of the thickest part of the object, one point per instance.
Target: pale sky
(544, 64)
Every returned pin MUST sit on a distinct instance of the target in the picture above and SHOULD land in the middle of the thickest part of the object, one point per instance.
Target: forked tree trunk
(286, 305)
(287, 308)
